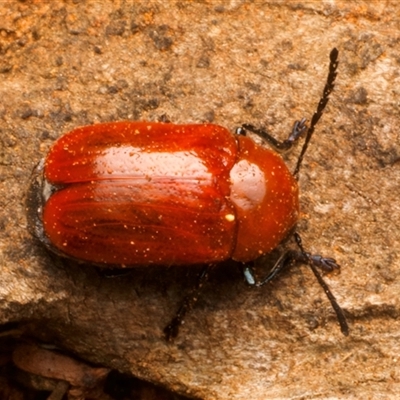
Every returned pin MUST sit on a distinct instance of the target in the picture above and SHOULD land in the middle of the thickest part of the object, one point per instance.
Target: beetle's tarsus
(325, 263)
(299, 127)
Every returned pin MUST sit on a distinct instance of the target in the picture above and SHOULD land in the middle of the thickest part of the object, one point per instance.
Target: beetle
(150, 193)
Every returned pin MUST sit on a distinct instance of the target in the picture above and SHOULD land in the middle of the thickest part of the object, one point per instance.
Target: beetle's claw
(327, 264)
(299, 128)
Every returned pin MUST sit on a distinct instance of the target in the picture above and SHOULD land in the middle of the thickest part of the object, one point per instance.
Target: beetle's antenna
(330, 84)
(344, 327)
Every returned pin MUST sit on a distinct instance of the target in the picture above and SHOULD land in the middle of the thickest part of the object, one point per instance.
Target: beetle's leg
(299, 128)
(288, 257)
(284, 260)
(172, 329)
(314, 261)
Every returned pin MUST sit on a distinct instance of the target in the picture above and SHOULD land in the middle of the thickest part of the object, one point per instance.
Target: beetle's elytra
(142, 193)
(138, 193)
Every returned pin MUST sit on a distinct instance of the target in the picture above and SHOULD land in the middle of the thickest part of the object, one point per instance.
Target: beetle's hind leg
(172, 329)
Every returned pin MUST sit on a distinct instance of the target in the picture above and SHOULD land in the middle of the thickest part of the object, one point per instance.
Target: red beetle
(140, 193)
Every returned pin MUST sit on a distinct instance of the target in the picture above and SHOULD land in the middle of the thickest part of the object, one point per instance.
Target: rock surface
(69, 64)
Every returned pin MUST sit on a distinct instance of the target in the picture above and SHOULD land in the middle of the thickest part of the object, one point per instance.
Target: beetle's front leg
(314, 261)
(288, 257)
(298, 129)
